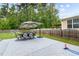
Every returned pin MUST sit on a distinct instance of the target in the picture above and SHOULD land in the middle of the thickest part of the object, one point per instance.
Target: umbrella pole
(40, 33)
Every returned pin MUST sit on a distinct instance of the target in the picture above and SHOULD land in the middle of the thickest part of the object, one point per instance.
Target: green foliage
(4, 24)
(12, 17)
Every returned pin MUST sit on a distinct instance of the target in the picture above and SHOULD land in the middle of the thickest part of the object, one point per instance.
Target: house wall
(64, 24)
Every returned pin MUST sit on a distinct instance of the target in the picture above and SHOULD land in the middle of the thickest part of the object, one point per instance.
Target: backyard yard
(4, 36)
(36, 29)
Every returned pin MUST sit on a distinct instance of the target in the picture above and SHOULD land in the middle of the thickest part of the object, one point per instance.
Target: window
(69, 23)
(75, 23)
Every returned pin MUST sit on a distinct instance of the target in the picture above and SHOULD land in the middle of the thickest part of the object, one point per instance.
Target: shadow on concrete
(24, 39)
(73, 51)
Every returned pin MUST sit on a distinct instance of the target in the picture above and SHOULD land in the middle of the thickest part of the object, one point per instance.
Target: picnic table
(26, 35)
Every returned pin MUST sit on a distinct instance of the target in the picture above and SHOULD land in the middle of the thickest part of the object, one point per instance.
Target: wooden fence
(68, 33)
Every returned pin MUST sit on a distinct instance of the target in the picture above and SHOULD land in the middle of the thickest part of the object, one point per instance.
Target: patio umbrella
(30, 25)
(26, 26)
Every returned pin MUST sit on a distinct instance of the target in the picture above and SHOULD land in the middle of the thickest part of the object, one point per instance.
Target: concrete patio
(36, 47)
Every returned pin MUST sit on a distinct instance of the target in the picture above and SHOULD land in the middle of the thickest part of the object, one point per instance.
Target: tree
(15, 14)
(4, 9)
(52, 13)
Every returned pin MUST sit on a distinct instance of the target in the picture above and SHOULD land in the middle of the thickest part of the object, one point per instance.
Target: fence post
(69, 33)
(76, 34)
(61, 32)
(50, 32)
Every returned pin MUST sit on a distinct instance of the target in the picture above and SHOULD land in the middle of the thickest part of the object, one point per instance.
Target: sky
(67, 9)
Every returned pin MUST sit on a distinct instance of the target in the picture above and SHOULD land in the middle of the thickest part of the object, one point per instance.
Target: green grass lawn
(66, 40)
(7, 35)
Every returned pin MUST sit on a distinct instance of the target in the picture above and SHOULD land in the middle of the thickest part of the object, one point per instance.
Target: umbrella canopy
(29, 25)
